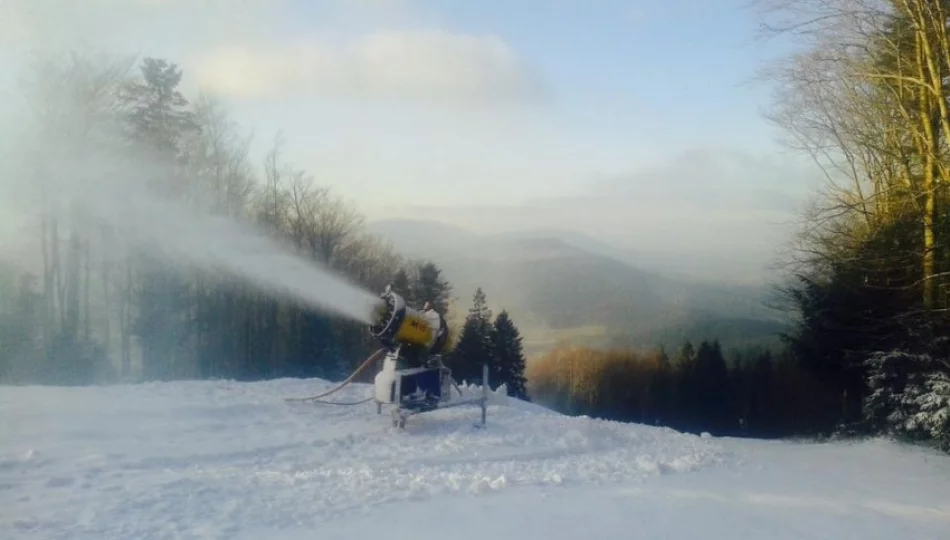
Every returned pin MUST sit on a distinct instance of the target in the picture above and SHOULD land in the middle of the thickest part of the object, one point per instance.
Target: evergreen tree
(761, 417)
(710, 387)
(686, 355)
(683, 413)
(430, 286)
(474, 347)
(402, 287)
(159, 119)
(508, 362)
(662, 388)
(158, 112)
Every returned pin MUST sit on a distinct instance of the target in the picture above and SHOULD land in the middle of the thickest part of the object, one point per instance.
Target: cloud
(128, 25)
(280, 49)
(704, 181)
(413, 64)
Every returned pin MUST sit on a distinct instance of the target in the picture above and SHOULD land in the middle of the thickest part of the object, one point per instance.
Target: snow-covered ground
(231, 460)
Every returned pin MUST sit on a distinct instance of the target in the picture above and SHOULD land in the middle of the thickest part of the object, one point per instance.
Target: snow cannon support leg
(484, 400)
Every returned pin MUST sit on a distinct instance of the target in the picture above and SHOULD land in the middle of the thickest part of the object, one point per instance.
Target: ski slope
(219, 459)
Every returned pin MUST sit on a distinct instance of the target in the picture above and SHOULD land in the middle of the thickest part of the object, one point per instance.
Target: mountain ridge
(552, 286)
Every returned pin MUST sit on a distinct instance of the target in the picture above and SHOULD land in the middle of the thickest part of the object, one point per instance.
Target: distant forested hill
(556, 288)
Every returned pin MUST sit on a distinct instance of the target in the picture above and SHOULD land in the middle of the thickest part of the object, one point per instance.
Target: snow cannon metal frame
(407, 335)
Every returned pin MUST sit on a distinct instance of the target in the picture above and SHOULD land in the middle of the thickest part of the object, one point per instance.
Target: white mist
(91, 181)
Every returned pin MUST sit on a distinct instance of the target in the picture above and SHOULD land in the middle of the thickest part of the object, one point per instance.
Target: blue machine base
(420, 388)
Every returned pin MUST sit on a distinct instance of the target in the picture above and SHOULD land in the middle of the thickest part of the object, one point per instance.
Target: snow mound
(160, 460)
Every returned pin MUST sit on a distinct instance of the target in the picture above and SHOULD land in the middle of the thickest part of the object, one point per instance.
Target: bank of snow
(231, 460)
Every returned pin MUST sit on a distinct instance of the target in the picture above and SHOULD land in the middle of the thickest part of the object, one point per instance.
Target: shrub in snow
(909, 394)
(933, 416)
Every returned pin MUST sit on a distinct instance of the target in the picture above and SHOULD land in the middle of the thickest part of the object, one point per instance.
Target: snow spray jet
(89, 183)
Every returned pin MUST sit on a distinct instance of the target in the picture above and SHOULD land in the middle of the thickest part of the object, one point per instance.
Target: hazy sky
(635, 121)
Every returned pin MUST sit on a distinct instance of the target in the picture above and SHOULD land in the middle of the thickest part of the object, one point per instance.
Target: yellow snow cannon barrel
(396, 323)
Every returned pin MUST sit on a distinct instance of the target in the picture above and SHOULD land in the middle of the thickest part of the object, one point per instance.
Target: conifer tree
(683, 407)
(710, 387)
(508, 357)
(662, 388)
(402, 287)
(159, 113)
(159, 118)
(430, 286)
(474, 347)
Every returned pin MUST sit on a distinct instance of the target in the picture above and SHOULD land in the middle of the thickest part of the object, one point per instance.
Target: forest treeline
(699, 388)
(94, 310)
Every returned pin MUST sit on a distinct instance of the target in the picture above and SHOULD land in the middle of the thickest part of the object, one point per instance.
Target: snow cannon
(395, 324)
(412, 377)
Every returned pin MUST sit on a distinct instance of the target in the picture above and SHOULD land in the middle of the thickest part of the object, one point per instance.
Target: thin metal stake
(484, 391)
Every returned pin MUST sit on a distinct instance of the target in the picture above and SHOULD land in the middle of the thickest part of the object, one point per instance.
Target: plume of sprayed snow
(93, 181)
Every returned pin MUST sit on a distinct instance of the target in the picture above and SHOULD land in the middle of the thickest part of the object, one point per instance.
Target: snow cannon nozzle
(385, 311)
